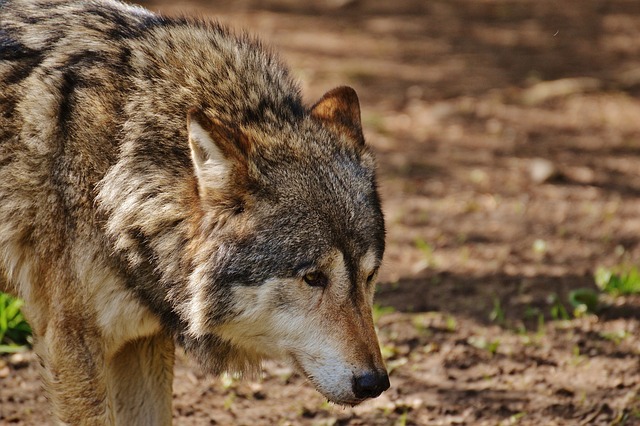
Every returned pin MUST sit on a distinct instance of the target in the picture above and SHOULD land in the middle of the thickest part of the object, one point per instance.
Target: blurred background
(508, 139)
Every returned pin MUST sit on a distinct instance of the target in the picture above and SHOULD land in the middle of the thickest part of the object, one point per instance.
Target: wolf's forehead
(351, 222)
(340, 207)
(334, 183)
(309, 230)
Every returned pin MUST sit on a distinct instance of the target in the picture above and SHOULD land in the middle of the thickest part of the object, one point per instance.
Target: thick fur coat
(162, 182)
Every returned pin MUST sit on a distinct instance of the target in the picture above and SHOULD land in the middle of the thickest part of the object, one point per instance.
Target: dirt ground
(508, 140)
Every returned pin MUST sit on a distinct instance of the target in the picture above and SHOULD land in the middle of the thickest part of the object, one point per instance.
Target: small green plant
(389, 351)
(584, 301)
(402, 420)
(379, 311)
(618, 280)
(616, 336)
(480, 342)
(514, 419)
(15, 332)
(557, 311)
(450, 324)
(228, 401)
(497, 313)
(421, 325)
(427, 250)
(577, 356)
(393, 364)
(541, 326)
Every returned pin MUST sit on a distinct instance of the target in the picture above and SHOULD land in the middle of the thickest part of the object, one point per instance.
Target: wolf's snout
(370, 384)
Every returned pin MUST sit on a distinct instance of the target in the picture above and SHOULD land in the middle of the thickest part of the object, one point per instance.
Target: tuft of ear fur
(212, 168)
(339, 109)
(219, 154)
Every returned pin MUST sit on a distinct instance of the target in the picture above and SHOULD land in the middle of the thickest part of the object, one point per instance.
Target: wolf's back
(127, 63)
(94, 97)
(58, 60)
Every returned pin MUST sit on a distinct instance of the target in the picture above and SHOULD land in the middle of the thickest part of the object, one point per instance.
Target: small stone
(541, 170)
(18, 360)
(4, 372)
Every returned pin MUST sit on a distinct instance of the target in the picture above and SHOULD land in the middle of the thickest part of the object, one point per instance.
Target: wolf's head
(293, 237)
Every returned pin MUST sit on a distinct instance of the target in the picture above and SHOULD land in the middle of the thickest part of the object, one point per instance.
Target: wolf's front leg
(72, 362)
(132, 387)
(140, 378)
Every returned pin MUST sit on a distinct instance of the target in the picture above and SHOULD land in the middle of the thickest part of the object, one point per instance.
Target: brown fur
(162, 183)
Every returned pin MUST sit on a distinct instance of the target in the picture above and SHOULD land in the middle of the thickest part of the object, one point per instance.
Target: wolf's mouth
(297, 365)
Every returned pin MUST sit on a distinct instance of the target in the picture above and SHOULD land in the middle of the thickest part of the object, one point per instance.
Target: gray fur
(95, 169)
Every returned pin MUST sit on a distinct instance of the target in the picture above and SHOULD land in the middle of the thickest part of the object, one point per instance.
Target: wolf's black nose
(370, 384)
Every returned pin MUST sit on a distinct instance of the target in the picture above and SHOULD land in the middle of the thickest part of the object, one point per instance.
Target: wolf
(163, 184)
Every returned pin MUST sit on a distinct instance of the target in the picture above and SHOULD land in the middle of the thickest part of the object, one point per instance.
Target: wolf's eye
(371, 277)
(316, 279)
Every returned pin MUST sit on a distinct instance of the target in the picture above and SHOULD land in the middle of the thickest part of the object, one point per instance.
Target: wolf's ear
(216, 149)
(340, 109)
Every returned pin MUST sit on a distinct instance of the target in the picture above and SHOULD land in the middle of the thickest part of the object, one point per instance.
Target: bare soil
(508, 139)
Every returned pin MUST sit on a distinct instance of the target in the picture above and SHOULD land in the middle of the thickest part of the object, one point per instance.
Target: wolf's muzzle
(370, 384)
